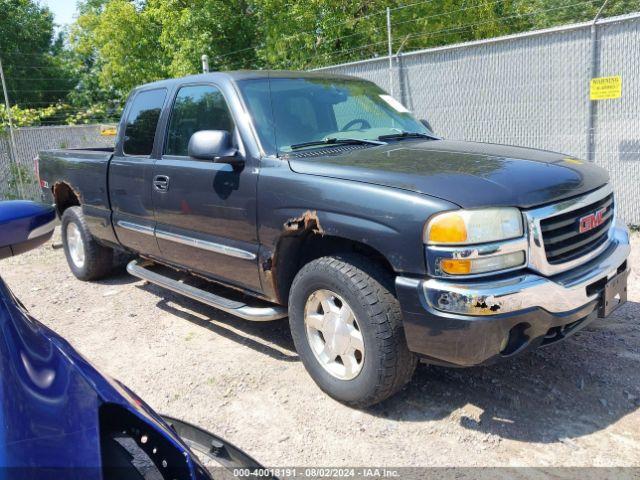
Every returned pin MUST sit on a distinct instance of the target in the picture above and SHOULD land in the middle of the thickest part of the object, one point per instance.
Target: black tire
(98, 259)
(388, 364)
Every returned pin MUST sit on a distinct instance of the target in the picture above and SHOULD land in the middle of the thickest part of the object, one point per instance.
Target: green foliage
(34, 66)
(96, 113)
(557, 12)
(85, 73)
(317, 32)
(18, 175)
(127, 40)
(25, 117)
(136, 42)
(58, 114)
(128, 43)
(454, 21)
(215, 28)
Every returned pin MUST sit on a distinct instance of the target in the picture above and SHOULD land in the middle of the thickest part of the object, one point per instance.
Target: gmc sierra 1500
(322, 198)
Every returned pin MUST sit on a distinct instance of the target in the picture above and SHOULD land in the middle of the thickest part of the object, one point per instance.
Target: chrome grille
(555, 242)
(561, 234)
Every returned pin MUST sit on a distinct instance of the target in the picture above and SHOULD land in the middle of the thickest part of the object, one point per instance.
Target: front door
(205, 211)
(131, 173)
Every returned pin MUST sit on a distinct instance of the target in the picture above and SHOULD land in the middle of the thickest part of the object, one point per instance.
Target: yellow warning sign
(605, 88)
(107, 131)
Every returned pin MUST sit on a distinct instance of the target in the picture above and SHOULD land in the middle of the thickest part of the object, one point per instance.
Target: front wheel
(347, 328)
(87, 259)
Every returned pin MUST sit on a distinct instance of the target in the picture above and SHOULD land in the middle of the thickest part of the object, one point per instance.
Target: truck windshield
(291, 112)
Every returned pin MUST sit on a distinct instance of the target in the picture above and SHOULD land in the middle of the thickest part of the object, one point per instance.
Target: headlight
(475, 242)
(467, 227)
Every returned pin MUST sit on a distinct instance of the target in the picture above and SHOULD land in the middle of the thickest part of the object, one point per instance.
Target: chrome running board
(239, 309)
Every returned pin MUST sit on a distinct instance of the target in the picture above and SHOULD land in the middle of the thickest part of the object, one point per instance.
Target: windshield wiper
(337, 141)
(405, 134)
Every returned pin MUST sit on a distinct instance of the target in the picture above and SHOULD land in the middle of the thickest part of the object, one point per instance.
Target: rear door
(131, 172)
(206, 210)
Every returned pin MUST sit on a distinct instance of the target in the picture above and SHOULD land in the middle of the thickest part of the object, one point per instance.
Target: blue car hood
(49, 401)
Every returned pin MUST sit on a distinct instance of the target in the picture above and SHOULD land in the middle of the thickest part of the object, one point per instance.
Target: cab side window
(142, 120)
(197, 107)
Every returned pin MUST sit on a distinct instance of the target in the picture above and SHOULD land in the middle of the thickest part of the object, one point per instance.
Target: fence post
(402, 77)
(390, 42)
(12, 145)
(591, 141)
(591, 125)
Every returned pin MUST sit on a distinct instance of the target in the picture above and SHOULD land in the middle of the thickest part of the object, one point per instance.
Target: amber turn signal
(455, 267)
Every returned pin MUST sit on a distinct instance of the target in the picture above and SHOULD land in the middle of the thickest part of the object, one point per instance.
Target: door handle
(161, 183)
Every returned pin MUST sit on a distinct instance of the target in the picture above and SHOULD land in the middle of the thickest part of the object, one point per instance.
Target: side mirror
(24, 225)
(427, 124)
(214, 145)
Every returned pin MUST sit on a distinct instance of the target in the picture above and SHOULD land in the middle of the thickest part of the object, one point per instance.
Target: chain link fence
(29, 141)
(531, 89)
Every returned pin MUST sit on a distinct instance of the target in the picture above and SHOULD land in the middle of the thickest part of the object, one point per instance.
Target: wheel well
(64, 197)
(293, 253)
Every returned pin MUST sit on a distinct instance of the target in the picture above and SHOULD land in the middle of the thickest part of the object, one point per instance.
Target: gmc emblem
(593, 220)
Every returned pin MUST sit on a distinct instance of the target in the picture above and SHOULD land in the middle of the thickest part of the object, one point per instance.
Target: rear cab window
(142, 121)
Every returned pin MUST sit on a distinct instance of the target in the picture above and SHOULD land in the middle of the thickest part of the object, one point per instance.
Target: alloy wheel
(75, 245)
(334, 334)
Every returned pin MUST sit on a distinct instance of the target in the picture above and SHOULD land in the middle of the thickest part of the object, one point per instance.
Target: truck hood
(468, 174)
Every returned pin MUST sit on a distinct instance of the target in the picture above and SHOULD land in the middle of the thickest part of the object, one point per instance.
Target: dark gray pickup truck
(321, 198)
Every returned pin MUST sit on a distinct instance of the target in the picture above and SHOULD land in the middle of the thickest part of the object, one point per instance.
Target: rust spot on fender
(267, 265)
(58, 185)
(276, 268)
(308, 221)
(267, 268)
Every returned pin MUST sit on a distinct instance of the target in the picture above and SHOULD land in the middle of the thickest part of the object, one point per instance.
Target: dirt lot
(572, 404)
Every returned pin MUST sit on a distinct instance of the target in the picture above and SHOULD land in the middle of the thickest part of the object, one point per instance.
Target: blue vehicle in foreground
(60, 418)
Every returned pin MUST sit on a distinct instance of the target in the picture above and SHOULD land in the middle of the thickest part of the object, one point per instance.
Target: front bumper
(468, 323)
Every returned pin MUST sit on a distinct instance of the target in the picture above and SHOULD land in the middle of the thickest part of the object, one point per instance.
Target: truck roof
(243, 75)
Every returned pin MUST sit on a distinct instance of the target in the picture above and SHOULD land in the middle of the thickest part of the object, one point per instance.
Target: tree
(35, 74)
(303, 34)
(124, 44)
(134, 42)
(116, 45)
(559, 12)
(217, 28)
(122, 41)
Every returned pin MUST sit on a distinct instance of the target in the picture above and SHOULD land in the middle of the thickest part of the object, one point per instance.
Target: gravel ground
(572, 404)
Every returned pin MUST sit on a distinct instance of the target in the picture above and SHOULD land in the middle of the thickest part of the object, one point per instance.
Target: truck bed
(84, 171)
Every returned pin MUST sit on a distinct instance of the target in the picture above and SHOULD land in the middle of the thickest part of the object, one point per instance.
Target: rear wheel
(347, 328)
(87, 259)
